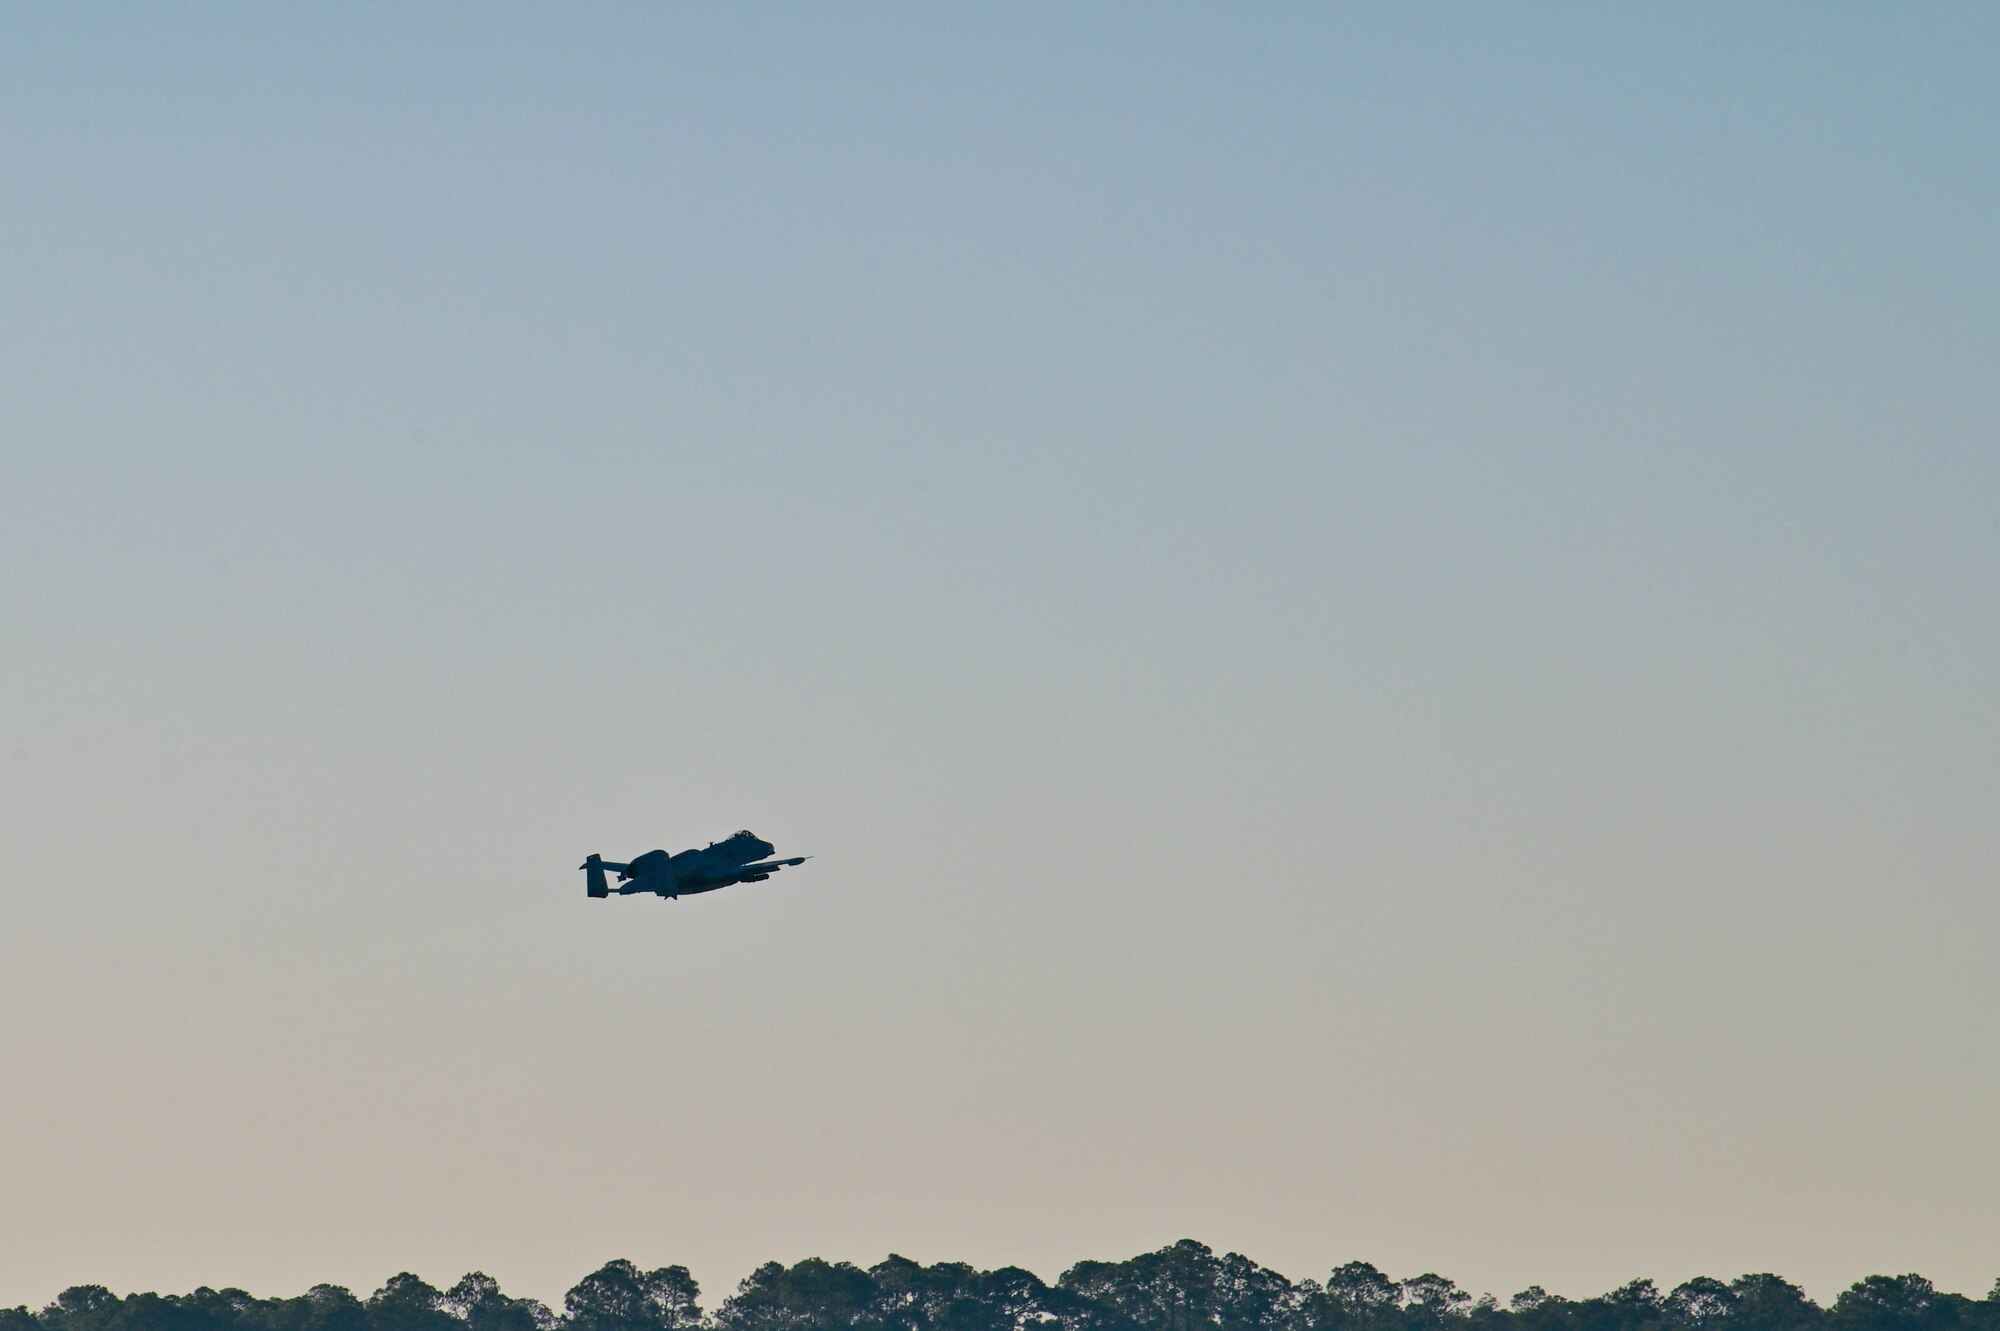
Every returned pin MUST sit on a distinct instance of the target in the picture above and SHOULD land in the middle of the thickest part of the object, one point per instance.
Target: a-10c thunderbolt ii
(739, 859)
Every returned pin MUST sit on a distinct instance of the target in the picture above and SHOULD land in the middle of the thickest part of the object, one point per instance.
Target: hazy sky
(1382, 620)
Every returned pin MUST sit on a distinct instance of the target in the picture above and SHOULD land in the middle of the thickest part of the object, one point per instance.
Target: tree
(1535, 1309)
(477, 1301)
(1357, 1297)
(1637, 1299)
(1765, 1302)
(408, 1302)
(80, 1300)
(1700, 1304)
(1181, 1287)
(909, 1296)
(1171, 1289)
(1015, 1300)
(618, 1296)
(952, 1296)
(149, 1312)
(813, 1295)
(1633, 1306)
(1250, 1297)
(1086, 1298)
(1897, 1303)
(79, 1307)
(321, 1308)
(1429, 1300)
(216, 1310)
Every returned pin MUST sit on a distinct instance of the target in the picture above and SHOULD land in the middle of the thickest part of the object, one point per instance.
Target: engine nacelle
(652, 862)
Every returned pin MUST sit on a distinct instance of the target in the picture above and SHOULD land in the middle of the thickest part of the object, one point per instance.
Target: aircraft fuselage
(739, 859)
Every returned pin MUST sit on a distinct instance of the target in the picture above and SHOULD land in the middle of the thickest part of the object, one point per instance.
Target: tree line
(1182, 1287)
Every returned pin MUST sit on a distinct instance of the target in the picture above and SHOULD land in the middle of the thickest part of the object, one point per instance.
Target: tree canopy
(1184, 1286)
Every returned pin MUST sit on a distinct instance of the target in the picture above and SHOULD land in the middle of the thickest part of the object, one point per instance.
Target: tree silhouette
(1899, 1303)
(1358, 1297)
(814, 1295)
(1701, 1304)
(1765, 1302)
(1184, 1286)
(476, 1300)
(952, 1296)
(618, 1296)
(321, 1308)
(407, 1302)
(1429, 1301)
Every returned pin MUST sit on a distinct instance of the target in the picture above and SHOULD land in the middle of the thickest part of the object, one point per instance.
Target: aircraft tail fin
(594, 884)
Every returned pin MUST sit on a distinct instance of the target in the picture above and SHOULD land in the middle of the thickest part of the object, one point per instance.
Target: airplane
(738, 859)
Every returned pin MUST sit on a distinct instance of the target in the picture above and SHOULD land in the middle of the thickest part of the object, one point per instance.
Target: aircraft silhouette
(719, 864)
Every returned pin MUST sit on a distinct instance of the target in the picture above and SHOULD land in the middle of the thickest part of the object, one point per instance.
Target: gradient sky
(1382, 619)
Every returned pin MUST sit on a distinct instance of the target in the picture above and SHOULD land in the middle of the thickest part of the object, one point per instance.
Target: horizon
(713, 1299)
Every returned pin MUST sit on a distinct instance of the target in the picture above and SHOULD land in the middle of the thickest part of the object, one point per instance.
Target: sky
(1380, 620)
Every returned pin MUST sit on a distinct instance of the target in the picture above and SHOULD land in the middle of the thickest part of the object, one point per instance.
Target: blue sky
(1380, 619)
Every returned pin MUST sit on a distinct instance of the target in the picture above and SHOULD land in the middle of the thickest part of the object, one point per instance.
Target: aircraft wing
(772, 866)
(753, 873)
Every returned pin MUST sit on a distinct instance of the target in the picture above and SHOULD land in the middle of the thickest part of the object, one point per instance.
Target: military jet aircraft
(739, 859)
